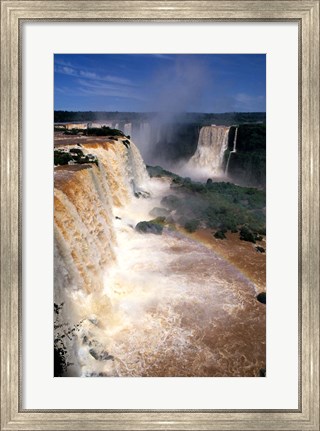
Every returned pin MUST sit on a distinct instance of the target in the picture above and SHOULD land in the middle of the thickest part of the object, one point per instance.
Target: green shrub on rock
(61, 158)
(220, 234)
(192, 225)
(76, 151)
(247, 235)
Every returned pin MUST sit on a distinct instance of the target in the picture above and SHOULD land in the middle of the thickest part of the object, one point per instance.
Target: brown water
(184, 312)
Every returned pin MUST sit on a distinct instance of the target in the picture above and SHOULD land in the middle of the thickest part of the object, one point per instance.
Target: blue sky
(160, 82)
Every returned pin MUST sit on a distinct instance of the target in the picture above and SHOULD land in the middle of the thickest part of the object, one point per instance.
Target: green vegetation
(62, 158)
(203, 119)
(251, 137)
(218, 206)
(192, 225)
(103, 131)
(246, 234)
(158, 172)
(73, 132)
(74, 155)
(248, 164)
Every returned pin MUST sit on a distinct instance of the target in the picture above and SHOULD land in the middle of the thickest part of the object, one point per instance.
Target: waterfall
(132, 304)
(85, 200)
(212, 144)
(128, 129)
(84, 233)
(233, 150)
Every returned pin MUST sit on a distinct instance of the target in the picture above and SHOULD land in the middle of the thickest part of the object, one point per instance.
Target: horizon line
(162, 112)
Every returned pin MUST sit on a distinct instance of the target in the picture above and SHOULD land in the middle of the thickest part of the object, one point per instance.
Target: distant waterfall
(128, 129)
(212, 144)
(233, 150)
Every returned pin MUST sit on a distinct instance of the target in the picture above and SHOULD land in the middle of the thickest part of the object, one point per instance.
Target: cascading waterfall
(128, 129)
(85, 198)
(143, 304)
(142, 133)
(84, 235)
(212, 144)
(234, 150)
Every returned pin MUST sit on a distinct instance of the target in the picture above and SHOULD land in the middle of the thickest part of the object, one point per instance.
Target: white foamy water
(207, 161)
(234, 150)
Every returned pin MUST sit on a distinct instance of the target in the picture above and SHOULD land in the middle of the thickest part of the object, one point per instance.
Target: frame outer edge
(5, 220)
(10, 418)
(315, 233)
(15, 208)
(310, 216)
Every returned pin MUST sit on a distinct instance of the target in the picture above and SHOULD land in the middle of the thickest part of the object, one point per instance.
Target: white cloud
(86, 74)
(89, 75)
(164, 57)
(104, 88)
(248, 102)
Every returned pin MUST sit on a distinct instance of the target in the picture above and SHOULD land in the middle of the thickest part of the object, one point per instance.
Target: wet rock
(141, 194)
(219, 234)
(93, 320)
(154, 226)
(106, 357)
(126, 143)
(94, 354)
(261, 297)
(247, 235)
(101, 356)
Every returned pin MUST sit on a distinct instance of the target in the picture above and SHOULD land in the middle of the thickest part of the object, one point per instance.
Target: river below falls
(178, 308)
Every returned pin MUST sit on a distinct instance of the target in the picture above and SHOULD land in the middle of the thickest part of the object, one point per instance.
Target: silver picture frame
(13, 15)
